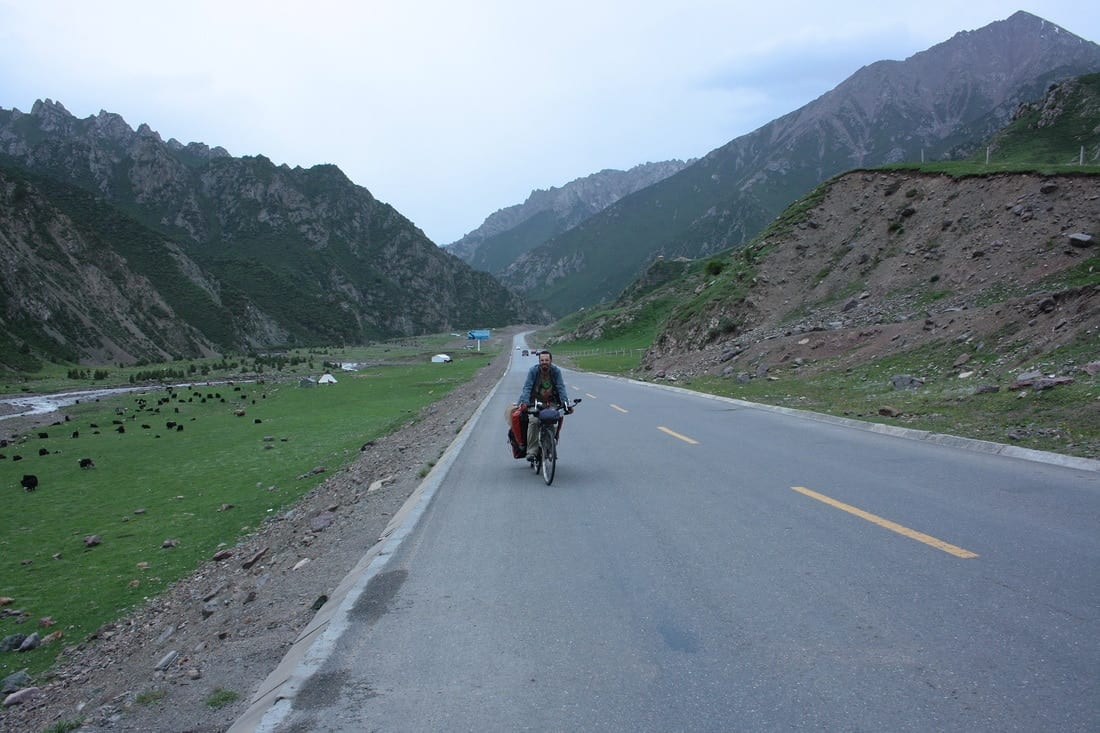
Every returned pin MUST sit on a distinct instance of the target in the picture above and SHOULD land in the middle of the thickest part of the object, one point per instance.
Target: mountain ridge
(281, 257)
(962, 94)
(509, 232)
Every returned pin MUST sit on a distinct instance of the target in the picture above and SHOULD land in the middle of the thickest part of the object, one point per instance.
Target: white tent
(326, 378)
(440, 359)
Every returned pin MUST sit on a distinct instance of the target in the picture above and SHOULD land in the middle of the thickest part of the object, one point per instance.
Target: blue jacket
(556, 381)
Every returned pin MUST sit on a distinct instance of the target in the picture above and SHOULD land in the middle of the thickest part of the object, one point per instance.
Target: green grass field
(204, 482)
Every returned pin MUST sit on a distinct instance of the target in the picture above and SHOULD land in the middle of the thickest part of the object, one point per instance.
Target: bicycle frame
(548, 428)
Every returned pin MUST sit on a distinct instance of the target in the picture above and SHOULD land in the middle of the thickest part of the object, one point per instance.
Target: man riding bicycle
(544, 384)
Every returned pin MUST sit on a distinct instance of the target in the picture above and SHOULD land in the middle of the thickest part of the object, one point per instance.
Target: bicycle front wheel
(549, 452)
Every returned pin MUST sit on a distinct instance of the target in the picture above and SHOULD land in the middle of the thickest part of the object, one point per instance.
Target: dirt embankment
(890, 262)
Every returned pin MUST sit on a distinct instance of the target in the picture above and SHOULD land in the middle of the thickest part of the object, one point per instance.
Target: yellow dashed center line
(620, 409)
(674, 434)
(892, 526)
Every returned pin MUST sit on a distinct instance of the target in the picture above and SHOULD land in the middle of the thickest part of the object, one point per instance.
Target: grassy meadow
(181, 472)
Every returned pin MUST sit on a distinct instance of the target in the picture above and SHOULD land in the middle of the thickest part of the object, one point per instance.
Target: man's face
(544, 361)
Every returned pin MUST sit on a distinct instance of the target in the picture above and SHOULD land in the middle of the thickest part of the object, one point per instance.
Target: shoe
(530, 457)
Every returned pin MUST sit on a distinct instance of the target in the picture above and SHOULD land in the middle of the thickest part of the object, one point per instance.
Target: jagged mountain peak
(245, 253)
(940, 103)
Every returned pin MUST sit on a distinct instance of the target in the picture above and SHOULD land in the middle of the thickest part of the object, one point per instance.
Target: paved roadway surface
(701, 565)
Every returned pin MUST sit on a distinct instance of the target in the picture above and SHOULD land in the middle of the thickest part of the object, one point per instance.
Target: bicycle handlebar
(538, 405)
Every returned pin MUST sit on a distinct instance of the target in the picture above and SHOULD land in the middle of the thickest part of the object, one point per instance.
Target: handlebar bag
(549, 415)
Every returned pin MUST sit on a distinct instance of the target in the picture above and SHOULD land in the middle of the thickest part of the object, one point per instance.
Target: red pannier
(517, 431)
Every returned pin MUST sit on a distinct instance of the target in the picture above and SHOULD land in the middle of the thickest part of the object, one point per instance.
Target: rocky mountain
(938, 104)
(121, 246)
(1005, 266)
(69, 294)
(510, 232)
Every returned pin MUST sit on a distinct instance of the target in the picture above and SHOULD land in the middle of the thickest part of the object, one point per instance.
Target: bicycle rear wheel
(548, 448)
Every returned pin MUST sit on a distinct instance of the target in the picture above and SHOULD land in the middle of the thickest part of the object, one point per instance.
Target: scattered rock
(254, 559)
(15, 681)
(1038, 381)
(312, 472)
(25, 695)
(322, 521)
(30, 643)
(166, 661)
(1050, 382)
(906, 381)
(12, 642)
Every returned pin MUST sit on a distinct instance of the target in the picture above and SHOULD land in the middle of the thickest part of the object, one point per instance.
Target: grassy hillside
(1061, 130)
(180, 473)
(703, 316)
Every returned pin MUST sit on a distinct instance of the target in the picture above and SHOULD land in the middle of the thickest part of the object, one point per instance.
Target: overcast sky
(451, 110)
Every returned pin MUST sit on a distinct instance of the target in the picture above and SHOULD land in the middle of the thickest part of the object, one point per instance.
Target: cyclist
(545, 384)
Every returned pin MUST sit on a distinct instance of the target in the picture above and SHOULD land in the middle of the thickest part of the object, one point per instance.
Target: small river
(22, 405)
(43, 404)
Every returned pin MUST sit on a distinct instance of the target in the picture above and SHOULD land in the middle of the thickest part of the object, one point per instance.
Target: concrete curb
(275, 698)
(954, 441)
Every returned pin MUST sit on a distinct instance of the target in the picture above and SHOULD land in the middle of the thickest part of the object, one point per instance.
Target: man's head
(545, 359)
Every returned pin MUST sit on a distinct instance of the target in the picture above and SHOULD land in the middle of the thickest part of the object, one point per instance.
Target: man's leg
(532, 437)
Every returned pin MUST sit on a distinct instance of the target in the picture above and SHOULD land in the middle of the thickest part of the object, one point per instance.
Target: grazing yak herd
(31, 482)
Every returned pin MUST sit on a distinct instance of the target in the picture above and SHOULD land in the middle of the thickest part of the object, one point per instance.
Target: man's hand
(569, 409)
(522, 406)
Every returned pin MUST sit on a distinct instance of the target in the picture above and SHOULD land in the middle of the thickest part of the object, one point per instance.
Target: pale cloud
(449, 111)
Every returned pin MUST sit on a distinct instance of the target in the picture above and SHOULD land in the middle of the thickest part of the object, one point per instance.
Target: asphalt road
(699, 565)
